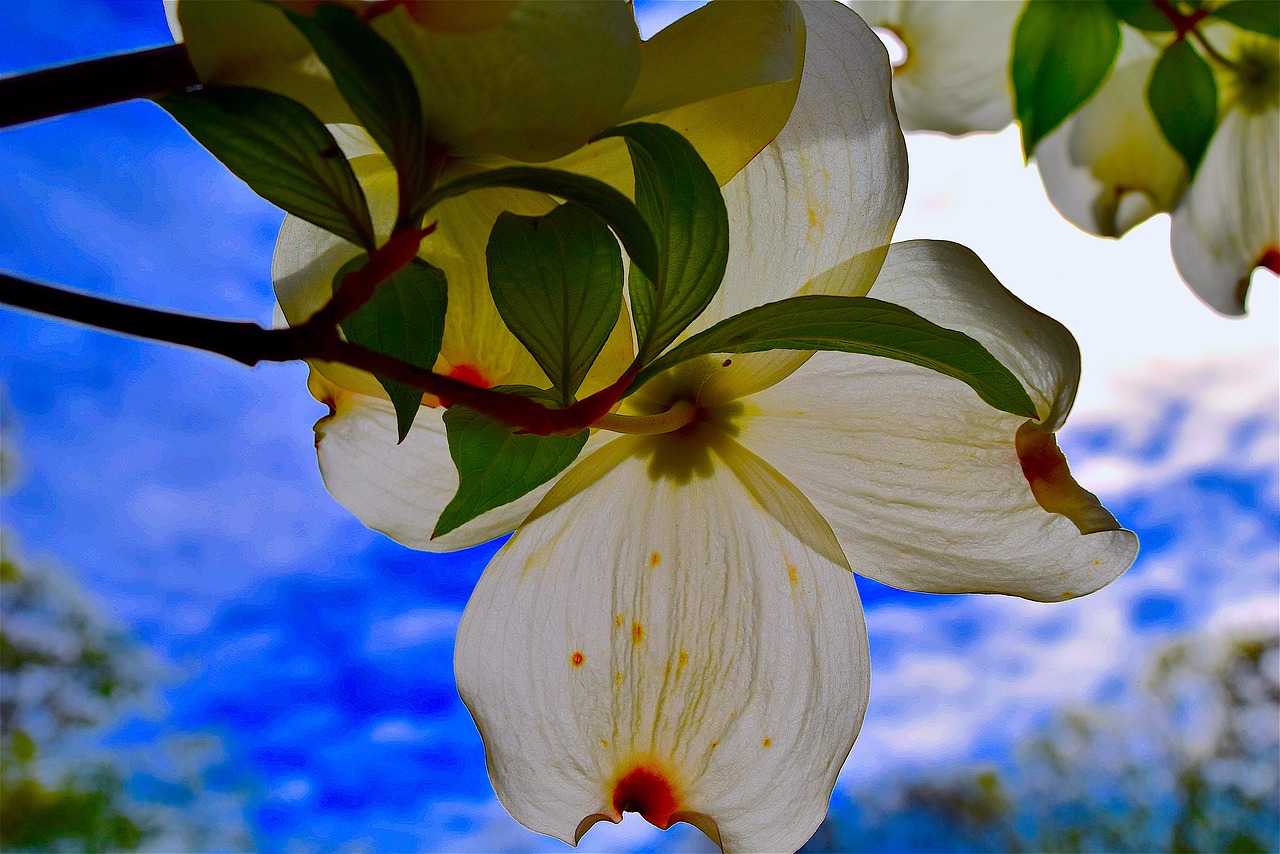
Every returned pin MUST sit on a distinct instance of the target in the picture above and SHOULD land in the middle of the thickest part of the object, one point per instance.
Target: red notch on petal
(1270, 260)
(647, 792)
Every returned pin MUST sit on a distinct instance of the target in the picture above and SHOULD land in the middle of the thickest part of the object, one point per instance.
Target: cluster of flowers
(1109, 166)
(674, 628)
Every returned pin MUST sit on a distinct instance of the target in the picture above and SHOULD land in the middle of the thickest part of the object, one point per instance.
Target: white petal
(400, 489)
(653, 629)
(1109, 167)
(831, 186)
(949, 285)
(1230, 218)
(927, 487)
(955, 78)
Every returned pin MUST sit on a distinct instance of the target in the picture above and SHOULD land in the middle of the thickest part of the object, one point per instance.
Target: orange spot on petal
(655, 559)
(637, 632)
(577, 658)
(768, 742)
(647, 792)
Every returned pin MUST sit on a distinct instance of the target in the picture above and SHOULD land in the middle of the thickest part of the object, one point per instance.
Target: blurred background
(201, 650)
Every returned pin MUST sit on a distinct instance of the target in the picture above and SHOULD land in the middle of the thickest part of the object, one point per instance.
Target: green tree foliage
(67, 677)
(1193, 766)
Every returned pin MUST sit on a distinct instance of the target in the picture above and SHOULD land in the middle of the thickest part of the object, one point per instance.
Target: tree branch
(250, 344)
(68, 88)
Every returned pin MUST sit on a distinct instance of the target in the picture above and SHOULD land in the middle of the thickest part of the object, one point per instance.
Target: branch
(250, 344)
(68, 88)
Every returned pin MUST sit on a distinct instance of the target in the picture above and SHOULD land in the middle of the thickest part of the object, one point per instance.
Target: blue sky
(182, 492)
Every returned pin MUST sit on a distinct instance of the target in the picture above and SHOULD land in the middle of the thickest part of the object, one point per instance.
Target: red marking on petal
(1270, 260)
(647, 792)
(468, 374)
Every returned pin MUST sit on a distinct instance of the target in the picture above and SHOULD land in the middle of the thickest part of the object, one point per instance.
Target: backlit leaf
(282, 151)
(497, 466)
(857, 325)
(681, 201)
(557, 282)
(1062, 51)
(1184, 99)
(404, 319)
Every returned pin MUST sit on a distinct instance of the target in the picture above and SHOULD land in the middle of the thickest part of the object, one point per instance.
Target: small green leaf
(857, 325)
(1184, 100)
(1259, 16)
(1141, 14)
(405, 319)
(282, 151)
(681, 202)
(377, 85)
(23, 746)
(596, 196)
(1062, 51)
(497, 466)
(557, 282)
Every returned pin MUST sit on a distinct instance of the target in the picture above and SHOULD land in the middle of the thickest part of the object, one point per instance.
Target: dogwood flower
(674, 628)
(1109, 167)
(954, 77)
(1228, 223)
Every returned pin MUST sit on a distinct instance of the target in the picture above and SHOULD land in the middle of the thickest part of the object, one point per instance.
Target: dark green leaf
(596, 196)
(1184, 100)
(283, 152)
(405, 319)
(380, 90)
(1259, 16)
(1141, 14)
(1062, 51)
(857, 325)
(681, 202)
(557, 282)
(497, 466)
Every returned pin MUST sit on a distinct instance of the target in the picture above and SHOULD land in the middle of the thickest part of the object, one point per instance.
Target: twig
(250, 344)
(68, 88)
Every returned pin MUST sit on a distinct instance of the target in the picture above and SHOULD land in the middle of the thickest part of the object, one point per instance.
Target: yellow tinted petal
(536, 86)
(248, 43)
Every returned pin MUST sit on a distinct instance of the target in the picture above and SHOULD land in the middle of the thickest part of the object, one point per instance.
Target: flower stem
(79, 86)
(681, 414)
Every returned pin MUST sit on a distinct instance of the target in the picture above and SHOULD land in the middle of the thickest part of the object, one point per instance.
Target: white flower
(1228, 223)
(674, 628)
(1108, 167)
(955, 74)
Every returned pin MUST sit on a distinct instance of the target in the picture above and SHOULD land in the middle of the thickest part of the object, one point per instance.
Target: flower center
(899, 54)
(1255, 81)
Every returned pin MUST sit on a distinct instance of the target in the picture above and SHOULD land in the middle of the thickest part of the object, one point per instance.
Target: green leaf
(1259, 16)
(596, 196)
(377, 85)
(681, 202)
(282, 151)
(557, 282)
(497, 466)
(857, 325)
(1062, 51)
(1184, 100)
(1141, 14)
(404, 319)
